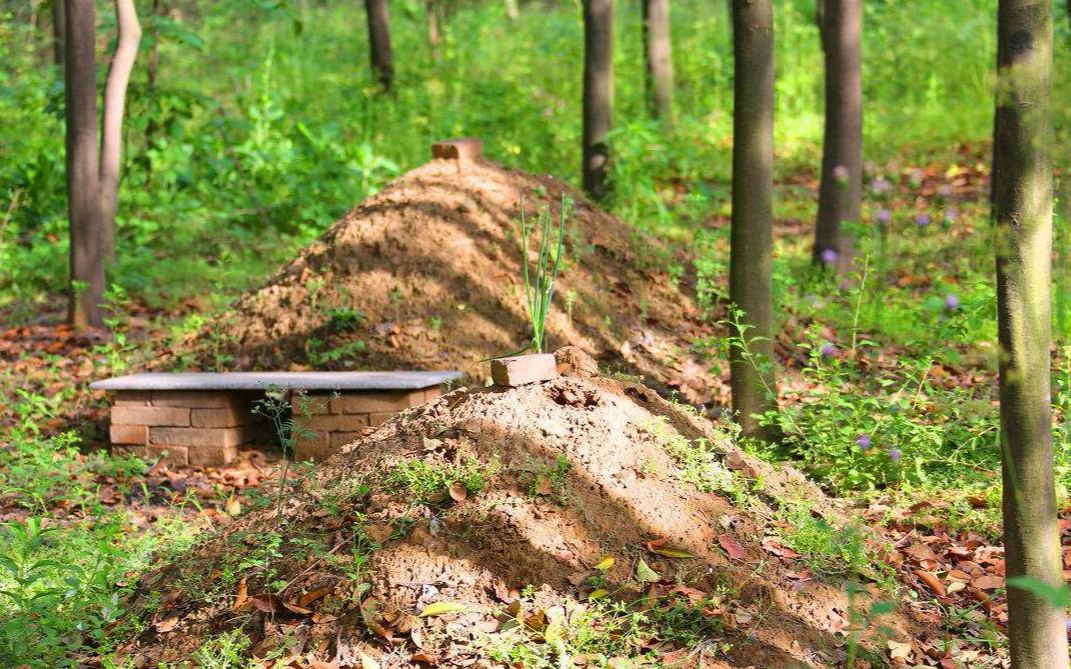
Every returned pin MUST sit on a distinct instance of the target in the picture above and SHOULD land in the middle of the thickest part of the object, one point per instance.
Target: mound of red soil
(579, 520)
(432, 264)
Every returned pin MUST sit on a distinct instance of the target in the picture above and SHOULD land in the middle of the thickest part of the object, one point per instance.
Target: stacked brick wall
(328, 422)
(192, 427)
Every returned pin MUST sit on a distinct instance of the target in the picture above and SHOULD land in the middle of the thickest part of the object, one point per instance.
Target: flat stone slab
(353, 381)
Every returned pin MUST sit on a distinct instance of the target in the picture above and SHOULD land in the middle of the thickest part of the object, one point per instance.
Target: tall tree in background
(841, 188)
(1022, 212)
(658, 47)
(751, 238)
(431, 12)
(379, 42)
(83, 167)
(92, 174)
(111, 130)
(59, 30)
(598, 94)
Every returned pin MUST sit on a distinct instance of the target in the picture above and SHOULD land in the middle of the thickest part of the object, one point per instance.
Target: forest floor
(887, 403)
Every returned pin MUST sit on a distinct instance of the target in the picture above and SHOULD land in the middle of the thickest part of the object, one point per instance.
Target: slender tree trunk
(751, 238)
(841, 188)
(111, 136)
(658, 47)
(1022, 211)
(150, 85)
(59, 30)
(513, 10)
(379, 42)
(598, 94)
(434, 35)
(83, 176)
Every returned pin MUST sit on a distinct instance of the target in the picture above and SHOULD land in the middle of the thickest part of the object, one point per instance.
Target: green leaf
(645, 574)
(598, 593)
(441, 609)
(1056, 595)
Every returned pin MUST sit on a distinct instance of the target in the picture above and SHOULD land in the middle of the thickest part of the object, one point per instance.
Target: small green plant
(832, 551)
(539, 281)
(431, 483)
(288, 428)
(344, 319)
(550, 479)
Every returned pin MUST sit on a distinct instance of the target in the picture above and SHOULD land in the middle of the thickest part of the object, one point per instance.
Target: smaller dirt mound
(426, 275)
(577, 521)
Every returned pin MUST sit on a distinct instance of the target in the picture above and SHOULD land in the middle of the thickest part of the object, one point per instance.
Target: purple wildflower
(828, 350)
(880, 186)
(883, 216)
(922, 220)
(863, 442)
(894, 454)
(828, 256)
(951, 302)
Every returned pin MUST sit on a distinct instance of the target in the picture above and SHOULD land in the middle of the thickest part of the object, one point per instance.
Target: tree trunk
(150, 82)
(59, 30)
(658, 47)
(111, 135)
(434, 35)
(841, 188)
(1022, 212)
(751, 238)
(513, 10)
(83, 176)
(379, 42)
(598, 94)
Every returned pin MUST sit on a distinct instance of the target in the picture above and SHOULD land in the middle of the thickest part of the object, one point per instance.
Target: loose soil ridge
(433, 265)
(503, 505)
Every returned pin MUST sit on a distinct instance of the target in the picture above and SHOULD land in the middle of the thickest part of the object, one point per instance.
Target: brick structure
(202, 418)
(189, 427)
(327, 422)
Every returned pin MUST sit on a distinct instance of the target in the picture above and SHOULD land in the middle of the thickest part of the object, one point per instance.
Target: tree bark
(379, 42)
(841, 189)
(751, 239)
(83, 177)
(59, 30)
(1022, 212)
(658, 47)
(434, 35)
(598, 94)
(513, 10)
(111, 135)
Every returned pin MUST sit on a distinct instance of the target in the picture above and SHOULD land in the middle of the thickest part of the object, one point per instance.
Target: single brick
(196, 436)
(221, 417)
(203, 455)
(340, 439)
(371, 402)
(129, 434)
(196, 399)
(140, 415)
(334, 423)
(314, 447)
(173, 455)
(522, 369)
(133, 397)
(462, 149)
(377, 419)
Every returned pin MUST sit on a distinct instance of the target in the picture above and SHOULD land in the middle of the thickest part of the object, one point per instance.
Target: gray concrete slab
(326, 381)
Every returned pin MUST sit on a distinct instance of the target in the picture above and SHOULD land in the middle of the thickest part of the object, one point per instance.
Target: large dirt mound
(432, 263)
(577, 521)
